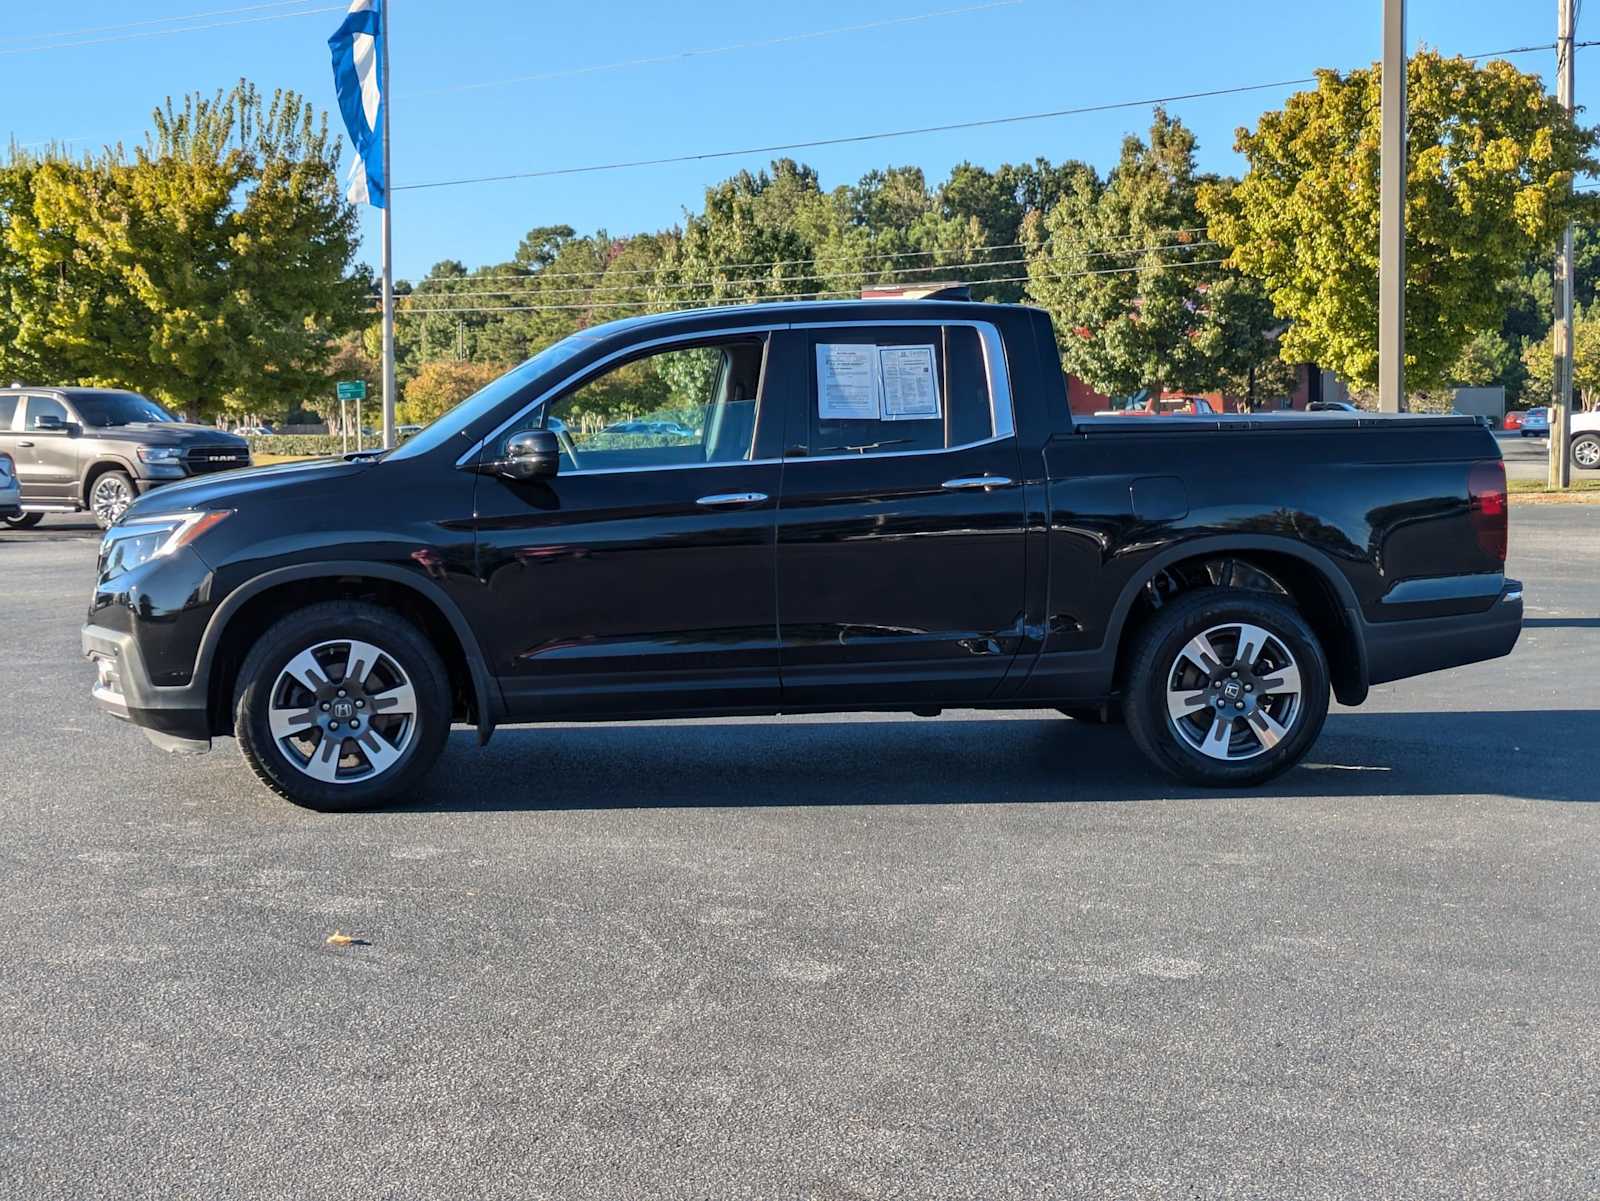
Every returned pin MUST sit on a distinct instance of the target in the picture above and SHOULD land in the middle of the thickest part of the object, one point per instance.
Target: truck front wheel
(342, 705)
(1226, 687)
(1586, 451)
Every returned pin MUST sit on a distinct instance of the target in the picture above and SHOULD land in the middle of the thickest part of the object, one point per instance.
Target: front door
(900, 529)
(47, 459)
(640, 579)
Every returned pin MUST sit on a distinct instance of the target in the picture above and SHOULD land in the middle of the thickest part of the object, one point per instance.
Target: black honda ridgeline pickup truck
(803, 508)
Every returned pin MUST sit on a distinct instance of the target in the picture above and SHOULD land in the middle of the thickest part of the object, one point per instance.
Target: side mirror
(49, 423)
(530, 455)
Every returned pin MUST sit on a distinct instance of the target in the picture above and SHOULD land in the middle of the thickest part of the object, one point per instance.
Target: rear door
(900, 525)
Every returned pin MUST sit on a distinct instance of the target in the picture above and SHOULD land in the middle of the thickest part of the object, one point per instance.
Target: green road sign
(352, 389)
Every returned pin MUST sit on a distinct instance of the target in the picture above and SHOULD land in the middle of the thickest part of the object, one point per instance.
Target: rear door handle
(719, 500)
(965, 482)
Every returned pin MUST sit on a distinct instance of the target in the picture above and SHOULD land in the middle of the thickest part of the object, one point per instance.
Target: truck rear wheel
(23, 521)
(1226, 687)
(342, 705)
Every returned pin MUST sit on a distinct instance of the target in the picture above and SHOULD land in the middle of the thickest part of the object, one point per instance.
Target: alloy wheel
(343, 711)
(1234, 692)
(1586, 453)
(110, 499)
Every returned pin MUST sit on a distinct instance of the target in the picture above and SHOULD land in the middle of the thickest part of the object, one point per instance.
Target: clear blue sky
(1008, 59)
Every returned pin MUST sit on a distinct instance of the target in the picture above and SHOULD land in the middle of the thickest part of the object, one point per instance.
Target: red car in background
(1513, 420)
(1141, 404)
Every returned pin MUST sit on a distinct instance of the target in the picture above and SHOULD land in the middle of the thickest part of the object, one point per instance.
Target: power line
(216, 12)
(856, 138)
(534, 276)
(790, 279)
(950, 127)
(684, 55)
(162, 33)
(813, 295)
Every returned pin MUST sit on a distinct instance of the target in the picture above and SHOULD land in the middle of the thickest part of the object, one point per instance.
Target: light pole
(1560, 470)
(1392, 215)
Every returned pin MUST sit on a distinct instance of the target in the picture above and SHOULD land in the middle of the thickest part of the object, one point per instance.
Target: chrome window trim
(1002, 416)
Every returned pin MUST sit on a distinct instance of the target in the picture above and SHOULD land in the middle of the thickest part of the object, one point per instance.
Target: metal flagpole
(1392, 214)
(1560, 467)
(388, 256)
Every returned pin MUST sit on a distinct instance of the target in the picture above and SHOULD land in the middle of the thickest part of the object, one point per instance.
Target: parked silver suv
(99, 449)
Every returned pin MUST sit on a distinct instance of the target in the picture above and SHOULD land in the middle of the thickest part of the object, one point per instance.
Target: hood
(229, 489)
(165, 433)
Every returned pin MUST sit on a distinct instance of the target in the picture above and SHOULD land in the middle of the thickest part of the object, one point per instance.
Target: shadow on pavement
(894, 761)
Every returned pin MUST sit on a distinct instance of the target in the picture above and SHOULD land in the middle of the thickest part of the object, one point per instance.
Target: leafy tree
(442, 384)
(1119, 267)
(1491, 160)
(1538, 361)
(1489, 360)
(211, 269)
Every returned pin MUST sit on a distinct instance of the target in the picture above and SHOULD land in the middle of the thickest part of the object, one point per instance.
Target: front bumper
(174, 718)
(1396, 650)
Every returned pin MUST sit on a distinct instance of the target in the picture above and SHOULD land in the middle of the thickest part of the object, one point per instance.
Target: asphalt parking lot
(982, 956)
(1529, 458)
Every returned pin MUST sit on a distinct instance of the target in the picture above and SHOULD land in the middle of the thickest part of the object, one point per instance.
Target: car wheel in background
(110, 497)
(1226, 687)
(1586, 452)
(342, 705)
(23, 521)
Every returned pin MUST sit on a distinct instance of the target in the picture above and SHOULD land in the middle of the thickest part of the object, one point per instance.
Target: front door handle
(24, 442)
(719, 500)
(985, 482)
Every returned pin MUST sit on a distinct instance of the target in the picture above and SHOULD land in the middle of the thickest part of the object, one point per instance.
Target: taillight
(1486, 490)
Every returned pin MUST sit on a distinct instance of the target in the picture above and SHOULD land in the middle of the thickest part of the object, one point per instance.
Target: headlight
(140, 539)
(160, 454)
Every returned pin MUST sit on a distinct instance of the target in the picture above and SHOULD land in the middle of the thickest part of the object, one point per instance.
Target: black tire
(1094, 715)
(403, 647)
(1155, 662)
(1590, 445)
(23, 521)
(109, 484)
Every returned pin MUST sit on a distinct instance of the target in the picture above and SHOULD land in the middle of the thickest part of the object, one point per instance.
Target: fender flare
(485, 692)
(1354, 689)
(115, 463)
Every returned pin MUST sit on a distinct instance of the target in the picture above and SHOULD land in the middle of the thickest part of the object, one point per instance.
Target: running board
(26, 508)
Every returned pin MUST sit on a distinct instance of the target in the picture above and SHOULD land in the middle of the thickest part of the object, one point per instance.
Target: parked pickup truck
(99, 448)
(880, 506)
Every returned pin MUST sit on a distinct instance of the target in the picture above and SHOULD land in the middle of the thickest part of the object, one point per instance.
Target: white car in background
(1536, 423)
(1586, 440)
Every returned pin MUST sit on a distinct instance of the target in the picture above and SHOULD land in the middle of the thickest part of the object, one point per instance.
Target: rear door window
(894, 389)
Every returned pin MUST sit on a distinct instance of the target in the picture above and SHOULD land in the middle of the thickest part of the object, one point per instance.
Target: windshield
(489, 397)
(104, 409)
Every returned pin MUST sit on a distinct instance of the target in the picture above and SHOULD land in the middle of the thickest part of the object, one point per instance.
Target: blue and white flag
(358, 78)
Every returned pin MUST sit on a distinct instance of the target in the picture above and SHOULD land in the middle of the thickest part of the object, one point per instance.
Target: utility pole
(1392, 215)
(388, 252)
(1560, 473)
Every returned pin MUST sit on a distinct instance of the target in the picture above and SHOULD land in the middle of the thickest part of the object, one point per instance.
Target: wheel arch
(1310, 578)
(102, 464)
(245, 610)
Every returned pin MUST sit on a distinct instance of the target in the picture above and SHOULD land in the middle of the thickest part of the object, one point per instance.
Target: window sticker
(847, 382)
(910, 383)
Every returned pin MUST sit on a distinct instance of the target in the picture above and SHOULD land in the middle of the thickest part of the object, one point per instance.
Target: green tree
(1491, 159)
(442, 384)
(212, 268)
(1121, 269)
(1538, 361)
